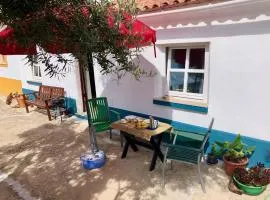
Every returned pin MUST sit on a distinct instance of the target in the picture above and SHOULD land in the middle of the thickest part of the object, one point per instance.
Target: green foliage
(79, 27)
(234, 151)
(214, 150)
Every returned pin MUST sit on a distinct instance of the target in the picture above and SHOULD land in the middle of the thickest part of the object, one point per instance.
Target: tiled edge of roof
(176, 4)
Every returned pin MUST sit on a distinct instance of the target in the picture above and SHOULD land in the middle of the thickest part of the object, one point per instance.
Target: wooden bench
(44, 98)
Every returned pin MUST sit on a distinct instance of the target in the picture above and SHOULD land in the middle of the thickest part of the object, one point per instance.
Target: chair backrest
(98, 110)
(44, 92)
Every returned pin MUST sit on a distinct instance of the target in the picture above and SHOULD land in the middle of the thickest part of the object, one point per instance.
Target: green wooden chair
(187, 147)
(100, 115)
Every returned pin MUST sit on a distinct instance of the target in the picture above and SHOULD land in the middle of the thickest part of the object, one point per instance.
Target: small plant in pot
(252, 181)
(20, 100)
(235, 154)
(212, 157)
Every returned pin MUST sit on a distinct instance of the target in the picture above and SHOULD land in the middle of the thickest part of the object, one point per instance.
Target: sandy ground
(7, 193)
(44, 156)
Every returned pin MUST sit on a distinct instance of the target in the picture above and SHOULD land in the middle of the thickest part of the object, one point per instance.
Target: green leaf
(250, 150)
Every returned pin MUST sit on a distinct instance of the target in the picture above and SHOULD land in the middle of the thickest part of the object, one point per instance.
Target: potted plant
(235, 154)
(252, 181)
(20, 99)
(212, 157)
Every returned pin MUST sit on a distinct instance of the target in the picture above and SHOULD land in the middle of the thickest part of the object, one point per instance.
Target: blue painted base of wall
(70, 102)
(261, 154)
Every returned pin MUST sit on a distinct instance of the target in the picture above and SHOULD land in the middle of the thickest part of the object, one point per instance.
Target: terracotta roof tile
(157, 5)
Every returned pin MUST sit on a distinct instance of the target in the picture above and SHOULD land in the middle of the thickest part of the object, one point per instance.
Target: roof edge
(208, 6)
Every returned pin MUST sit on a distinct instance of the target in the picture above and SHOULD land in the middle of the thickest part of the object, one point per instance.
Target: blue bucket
(93, 161)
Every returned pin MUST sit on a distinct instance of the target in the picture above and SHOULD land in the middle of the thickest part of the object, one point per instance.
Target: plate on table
(131, 118)
(123, 121)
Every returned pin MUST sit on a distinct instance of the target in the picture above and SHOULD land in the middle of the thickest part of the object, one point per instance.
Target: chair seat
(102, 126)
(38, 102)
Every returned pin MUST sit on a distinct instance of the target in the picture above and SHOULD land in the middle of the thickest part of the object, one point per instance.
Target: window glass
(177, 81)
(36, 71)
(196, 58)
(195, 83)
(178, 58)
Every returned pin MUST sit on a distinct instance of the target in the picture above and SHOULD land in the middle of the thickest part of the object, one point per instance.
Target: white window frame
(186, 70)
(34, 77)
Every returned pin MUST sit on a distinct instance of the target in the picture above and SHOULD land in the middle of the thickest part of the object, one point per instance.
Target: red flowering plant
(255, 176)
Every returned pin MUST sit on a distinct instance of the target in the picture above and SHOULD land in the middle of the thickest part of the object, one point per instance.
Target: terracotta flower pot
(231, 166)
(20, 101)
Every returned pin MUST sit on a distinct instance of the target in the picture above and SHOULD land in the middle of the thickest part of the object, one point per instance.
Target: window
(188, 72)
(36, 72)
(3, 61)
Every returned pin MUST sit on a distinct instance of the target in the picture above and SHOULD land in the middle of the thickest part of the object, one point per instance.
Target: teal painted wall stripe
(34, 83)
(181, 106)
(71, 104)
(261, 154)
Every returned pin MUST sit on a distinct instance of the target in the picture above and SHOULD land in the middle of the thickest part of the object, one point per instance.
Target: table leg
(125, 150)
(130, 141)
(134, 147)
(157, 152)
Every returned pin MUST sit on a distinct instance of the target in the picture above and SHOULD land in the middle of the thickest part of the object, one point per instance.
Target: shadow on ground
(47, 163)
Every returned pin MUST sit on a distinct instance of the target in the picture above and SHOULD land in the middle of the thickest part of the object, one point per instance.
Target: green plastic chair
(100, 115)
(187, 147)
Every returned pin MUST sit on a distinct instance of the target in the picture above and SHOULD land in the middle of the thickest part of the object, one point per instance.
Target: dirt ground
(43, 157)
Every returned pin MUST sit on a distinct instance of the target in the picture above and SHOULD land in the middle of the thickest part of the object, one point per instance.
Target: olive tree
(89, 30)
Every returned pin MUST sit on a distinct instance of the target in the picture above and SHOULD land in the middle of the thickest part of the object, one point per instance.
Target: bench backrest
(57, 92)
(47, 92)
(44, 92)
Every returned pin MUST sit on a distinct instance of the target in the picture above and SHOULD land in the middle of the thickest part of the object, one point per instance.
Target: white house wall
(13, 69)
(239, 41)
(10, 76)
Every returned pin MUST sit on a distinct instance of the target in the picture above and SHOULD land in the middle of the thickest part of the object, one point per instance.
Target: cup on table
(154, 124)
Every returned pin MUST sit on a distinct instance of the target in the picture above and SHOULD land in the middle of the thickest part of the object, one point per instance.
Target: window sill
(182, 103)
(34, 82)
